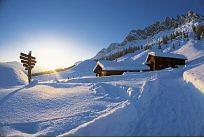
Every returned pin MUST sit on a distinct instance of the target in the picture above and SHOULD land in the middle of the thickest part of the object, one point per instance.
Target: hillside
(138, 39)
(84, 68)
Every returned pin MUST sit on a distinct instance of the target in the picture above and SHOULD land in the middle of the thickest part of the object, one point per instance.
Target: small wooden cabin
(108, 68)
(159, 60)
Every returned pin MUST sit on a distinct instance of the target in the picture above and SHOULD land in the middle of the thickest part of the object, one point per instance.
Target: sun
(56, 51)
(52, 53)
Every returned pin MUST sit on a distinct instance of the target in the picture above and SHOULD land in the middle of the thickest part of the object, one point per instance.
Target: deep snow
(196, 77)
(11, 75)
(136, 104)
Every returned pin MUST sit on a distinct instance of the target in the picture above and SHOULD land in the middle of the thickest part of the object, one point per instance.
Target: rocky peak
(158, 26)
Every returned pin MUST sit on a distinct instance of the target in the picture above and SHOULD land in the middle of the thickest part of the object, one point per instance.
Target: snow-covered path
(166, 106)
(174, 108)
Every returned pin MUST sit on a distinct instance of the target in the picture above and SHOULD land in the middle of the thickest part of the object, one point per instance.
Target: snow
(150, 110)
(84, 68)
(50, 109)
(140, 104)
(122, 65)
(11, 75)
(193, 50)
(171, 55)
(195, 76)
(116, 124)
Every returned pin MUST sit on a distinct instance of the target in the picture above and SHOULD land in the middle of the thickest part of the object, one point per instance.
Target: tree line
(198, 31)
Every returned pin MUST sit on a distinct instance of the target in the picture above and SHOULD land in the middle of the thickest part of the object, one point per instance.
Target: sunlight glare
(52, 53)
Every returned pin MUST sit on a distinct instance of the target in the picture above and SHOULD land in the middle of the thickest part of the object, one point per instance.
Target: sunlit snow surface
(140, 104)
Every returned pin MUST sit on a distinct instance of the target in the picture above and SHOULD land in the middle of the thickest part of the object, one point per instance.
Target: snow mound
(84, 68)
(11, 76)
(196, 77)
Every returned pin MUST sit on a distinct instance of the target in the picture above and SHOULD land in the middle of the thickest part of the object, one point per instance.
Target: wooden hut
(108, 68)
(159, 60)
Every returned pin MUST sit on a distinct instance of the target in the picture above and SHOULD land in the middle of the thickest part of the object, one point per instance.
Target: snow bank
(114, 123)
(11, 76)
(196, 77)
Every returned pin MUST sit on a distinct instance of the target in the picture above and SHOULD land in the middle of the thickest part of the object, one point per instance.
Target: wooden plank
(24, 61)
(33, 58)
(25, 65)
(28, 66)
(33, 61)
(22, 54)
(32, 64)
(26, 56)
(23, 58)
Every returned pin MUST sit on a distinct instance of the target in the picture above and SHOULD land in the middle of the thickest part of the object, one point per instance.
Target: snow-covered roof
(171, 55)
(123, 65)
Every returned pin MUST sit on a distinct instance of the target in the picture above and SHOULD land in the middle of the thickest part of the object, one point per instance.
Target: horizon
(62, 33)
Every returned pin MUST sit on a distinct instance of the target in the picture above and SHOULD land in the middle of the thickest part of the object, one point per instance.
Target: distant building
(159, 60)
(108, 68)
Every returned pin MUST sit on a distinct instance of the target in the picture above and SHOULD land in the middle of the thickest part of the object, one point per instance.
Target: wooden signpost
(28, 62)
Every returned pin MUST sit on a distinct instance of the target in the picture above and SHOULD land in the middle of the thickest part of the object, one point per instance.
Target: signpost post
(28, 62)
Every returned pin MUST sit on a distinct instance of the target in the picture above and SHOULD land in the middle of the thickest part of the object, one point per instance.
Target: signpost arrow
(28, 62)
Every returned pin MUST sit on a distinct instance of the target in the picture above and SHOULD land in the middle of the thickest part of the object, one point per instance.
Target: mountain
(141, 37)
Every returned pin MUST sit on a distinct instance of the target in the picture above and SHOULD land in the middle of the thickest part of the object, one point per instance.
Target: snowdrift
(165, 110)
(11, 75)
(196, 77)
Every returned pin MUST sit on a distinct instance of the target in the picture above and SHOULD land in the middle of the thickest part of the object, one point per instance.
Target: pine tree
(164, 39)
(159, 44)
(173, 46)
(198, 30)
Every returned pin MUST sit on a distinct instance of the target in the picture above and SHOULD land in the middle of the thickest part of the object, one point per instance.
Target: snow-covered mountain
(141, 37)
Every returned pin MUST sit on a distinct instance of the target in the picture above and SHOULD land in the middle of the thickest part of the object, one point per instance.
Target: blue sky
(60, 32)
